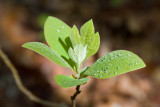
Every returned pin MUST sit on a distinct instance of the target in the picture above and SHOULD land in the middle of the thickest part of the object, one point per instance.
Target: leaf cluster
(70, 48)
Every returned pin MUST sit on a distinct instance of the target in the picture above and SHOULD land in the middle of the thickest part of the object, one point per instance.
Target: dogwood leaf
(89, 38)
(115, 63)
(47, 52)
(78, 54)
(57, 35)
(75, 37)
(66, 81)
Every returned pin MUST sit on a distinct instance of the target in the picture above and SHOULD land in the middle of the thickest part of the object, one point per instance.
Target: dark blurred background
(132, 25)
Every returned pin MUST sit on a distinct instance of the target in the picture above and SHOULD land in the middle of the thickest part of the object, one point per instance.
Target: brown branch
(73, 98)
(22, 87)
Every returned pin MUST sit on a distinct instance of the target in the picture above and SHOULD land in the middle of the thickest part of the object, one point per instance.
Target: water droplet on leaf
(112, 58)
(104, 60)
(137, 63)
(58, 30)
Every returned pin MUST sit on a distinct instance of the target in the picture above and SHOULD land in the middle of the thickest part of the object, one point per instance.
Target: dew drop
(68, 85)
(59, 83)
(58, 30)
(106, 71)
(62, 26)
(137, 63)
(112, 58)
(97, 71)
(100, 76)
(104, 60)
(94, 74)
(60, 35)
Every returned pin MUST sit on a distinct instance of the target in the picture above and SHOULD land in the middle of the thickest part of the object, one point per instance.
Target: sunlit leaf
(47, 52)
(66, 81)
(78, 54)
(75, 37)
(57, 35)
(89, 38)
(115, 63)
(93, 45)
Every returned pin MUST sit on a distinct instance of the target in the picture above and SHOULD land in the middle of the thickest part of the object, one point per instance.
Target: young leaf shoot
(70, 48)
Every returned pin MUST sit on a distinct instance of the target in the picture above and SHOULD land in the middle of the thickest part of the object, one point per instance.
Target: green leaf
(57, 35)
(87, 29)
(115, 63)
(78, 54)
(65, 81)
(93, 45)
(72, 54)
(89, 38)
(75, 37)
(47, 52)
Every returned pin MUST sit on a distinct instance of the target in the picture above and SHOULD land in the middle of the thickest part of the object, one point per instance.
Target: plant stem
(73, 98)
(74, 74)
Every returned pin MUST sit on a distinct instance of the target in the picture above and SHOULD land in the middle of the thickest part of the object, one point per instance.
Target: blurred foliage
(41, 21)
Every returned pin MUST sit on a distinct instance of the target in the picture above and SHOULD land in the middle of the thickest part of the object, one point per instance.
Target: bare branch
(22, 87)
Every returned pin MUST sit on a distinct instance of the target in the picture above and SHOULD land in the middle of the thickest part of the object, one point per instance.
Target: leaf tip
(25, 45)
